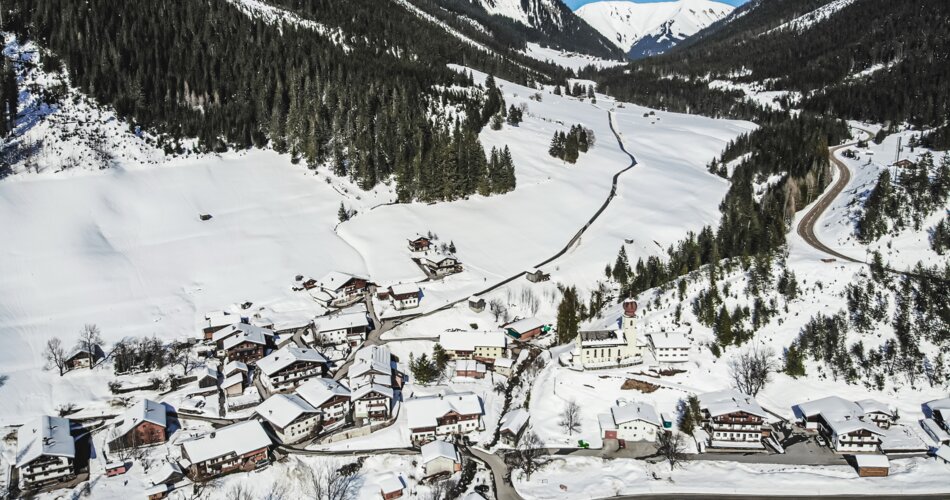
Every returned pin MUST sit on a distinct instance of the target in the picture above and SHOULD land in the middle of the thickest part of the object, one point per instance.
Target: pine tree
(557, 146)
(567, 316)
(342, 214)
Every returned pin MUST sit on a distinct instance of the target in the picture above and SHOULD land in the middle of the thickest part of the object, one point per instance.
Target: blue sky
(574, 4)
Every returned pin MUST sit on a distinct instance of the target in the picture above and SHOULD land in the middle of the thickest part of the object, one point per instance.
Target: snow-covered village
(480, 249)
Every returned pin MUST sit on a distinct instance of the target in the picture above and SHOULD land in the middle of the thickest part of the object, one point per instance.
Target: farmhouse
(443, 415)
(233, 385)
(143, 424)
(842, 422)
(291, 417)
(237, 447)
(340, 328)
(235, 367)
(247, 346)
(330, 397)
(208, 378)
(610, 341)
(535, 275)
(733, 420)
(343, 288)
(84, 356)
(442, 267)
(214, 321)
(877, 412)
(633, 421)
(469, 368)
(512, 425)
(669, 347)
(46, 452)
(476, 304)
(420, 244)
(373, 365)
(391, 485)
(524, 329)
(481, 346)
(405, 296)
(239, 329)
(290, 366)
(904, 163)
(504, 366)
(372, 403)
(440, 457)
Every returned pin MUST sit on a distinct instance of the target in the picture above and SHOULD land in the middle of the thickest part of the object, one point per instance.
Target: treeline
(9, 96)
(232, 81)
(893, 205)
(921, 316)
(568, 146)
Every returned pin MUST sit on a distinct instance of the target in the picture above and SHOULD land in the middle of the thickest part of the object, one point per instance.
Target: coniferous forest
(368, 101)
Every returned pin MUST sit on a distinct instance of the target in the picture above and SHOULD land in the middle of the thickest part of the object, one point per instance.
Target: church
(610, 341)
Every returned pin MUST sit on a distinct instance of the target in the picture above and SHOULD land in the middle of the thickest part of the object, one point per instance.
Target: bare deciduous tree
(56, 355)
(180, 355)
(497, 308)
(571, 417)
(529, 453)
(672, 447)
(240, 492)
(328, 483)
(752, 369)
(89, 339)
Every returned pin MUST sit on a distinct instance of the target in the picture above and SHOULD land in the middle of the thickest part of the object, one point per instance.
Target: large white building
(670, 347)
(290, 366)
(482, 346)
(610, 341)
(631, 421)
(290, 416)
(330, 397)
(342, 328)
(849, 427)
(443, 415)
(46, 452)
(733, 420)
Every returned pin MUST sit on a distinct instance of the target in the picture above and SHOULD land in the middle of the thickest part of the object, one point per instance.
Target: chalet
(610, 341)
(405, 296)
(214, 321)
(872, 465)
(481, 346)
(939, 410)
(143, 424)
(631, 421)
(291, 417)
(420, 244)
(443, 415)
(442, 267)
(904, 163)
(242, 329)
(233, 385)
(261, 322)
(469, 368)
(235, 367)
(391, 485)
(535, 275)
(374, 365)
(669, 347)
(877, 412)
(733, 420)
(247, 347)
(169, 472)
(84, 356)
(290, 366)
(440, 457)
(330, 397)
(476, 304)
(524, 329)
(208, 379)
(344, 288)
(512, 426)
(933, 429)
(372, 403)
(842, 422)
(342, 328)
(504, 366)
(46, 453)
(237, 447)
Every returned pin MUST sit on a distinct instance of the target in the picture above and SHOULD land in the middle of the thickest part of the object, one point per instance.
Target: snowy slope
(662, 23)
(530, 12)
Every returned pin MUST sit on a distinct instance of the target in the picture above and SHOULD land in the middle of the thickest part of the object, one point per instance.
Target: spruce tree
(567, 316)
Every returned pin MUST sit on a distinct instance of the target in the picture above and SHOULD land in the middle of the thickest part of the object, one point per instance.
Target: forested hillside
(366, 91)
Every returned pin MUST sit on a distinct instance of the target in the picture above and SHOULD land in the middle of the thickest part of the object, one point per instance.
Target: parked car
(821, 440)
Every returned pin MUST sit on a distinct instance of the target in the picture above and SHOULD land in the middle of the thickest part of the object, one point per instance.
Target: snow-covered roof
(215, 319)
(602, 338)
(341, 321)
(423, 411)
(404, 289)
(282, 409)
(369, 378)
(366, 389)
(234, 366)
(390, 482)
(504, 363)
(164, 472)
(674, 340)
(934, 430)
(253, 335)
(468, 341)
(841, 415)
(635, 410)
(943, 453)
(874, 406)
(233, 380)
(320, 390)
(940, 405)
(82, 349)
(439, 449)
(606, 421)
(243, 437)
(525, 325)
(469, 365)
(872, 461)
(44, 436)
(145, 410)
(238, 328)
(474, 299)
(335, 280)
(372, 358)
(286, 356)
(729, 401)
(609, 319)
(207, 372)
(513, 421)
